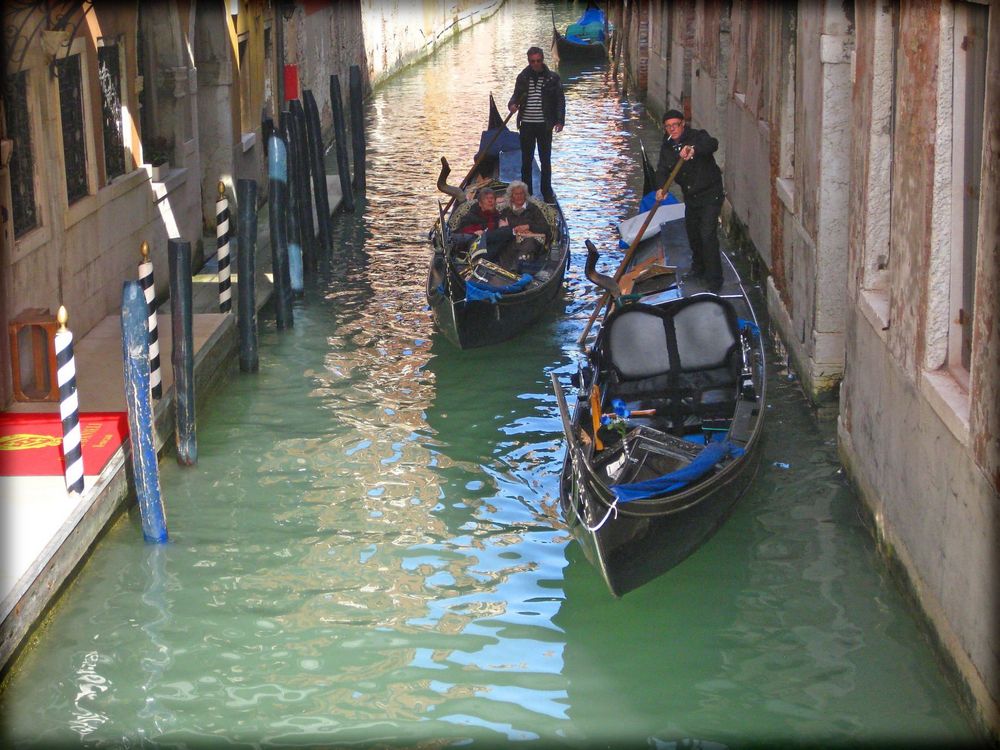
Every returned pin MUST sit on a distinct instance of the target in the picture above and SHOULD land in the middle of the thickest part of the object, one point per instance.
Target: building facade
(859, 144)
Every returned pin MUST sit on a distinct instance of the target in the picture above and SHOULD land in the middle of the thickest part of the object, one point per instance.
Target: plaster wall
(747, 185)
(932, 505)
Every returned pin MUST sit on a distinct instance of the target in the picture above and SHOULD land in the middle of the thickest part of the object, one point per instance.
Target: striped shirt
(533, 106)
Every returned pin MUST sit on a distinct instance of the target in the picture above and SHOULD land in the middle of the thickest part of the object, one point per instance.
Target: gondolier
(541, 110)
(701, 182)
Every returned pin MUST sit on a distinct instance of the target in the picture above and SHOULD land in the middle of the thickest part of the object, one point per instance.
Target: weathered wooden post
(135, 351)
(358, 128)
(294, 225)
(277, 211)
(222, 245)
(149, 293)
(314, 136)
(340, 145)
(69, 405)
(302, 164)
(182, 355)
(246, 261)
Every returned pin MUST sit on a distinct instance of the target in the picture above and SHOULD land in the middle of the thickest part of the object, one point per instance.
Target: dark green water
(369, 550)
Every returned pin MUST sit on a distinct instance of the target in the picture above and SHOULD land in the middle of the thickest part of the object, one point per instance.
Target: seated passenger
(485, 222)
(532, 232)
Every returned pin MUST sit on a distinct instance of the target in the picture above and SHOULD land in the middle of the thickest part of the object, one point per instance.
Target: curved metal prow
(442, 184)
(606, 283)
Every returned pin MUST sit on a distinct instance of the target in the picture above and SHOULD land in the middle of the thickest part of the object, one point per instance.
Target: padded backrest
(637, 343)
(706, 333)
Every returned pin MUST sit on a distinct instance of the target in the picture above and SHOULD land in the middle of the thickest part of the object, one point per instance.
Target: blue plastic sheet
(647, 202)
(711, 454)
(475, 290)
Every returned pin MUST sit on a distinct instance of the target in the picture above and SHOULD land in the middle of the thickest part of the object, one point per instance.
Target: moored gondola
(584, 40)
(476, 302)
(664, 433)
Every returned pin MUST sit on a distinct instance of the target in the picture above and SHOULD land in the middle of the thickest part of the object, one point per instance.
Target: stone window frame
(127, 125)
(945, 379)
(877, 256)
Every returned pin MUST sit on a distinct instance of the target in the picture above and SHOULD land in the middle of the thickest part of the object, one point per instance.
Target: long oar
(482, 154)
(606, 298)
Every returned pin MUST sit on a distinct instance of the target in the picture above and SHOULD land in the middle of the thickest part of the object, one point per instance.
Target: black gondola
(476, 303)
(665, 435)
(584, 40)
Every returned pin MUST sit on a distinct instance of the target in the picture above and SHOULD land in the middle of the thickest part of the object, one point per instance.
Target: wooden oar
(485, 150)
(606, 298)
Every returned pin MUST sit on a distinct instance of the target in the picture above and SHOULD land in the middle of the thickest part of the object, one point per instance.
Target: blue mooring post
(277, 211)
(340, 144)
(246, 273)
(294, 215)
(358, 128)
(135, 351)
(182, 354)
(314, 136)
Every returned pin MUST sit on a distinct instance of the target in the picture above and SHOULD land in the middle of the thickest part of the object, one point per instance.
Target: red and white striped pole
(222, 243)
(69, 405)
(149, 291)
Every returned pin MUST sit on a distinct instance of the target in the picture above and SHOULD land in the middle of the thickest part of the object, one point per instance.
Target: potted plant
(157, 154)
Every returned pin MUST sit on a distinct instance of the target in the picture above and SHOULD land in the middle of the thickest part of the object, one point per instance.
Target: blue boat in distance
(584, 40)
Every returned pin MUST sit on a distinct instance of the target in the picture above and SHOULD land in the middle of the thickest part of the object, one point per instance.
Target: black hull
(633, 542)
(572, 51)
(473, 324)
(635, 548)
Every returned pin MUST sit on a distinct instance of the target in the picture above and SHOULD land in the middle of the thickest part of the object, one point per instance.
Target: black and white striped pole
(222, 243)
(69, 405)
(149, 292)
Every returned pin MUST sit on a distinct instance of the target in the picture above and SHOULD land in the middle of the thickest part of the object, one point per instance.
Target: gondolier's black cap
(673, 114)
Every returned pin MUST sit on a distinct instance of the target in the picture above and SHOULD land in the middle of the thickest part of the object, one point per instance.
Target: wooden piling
(293, 216)
(145, 470)
(277, 211)
(314, 137)
(357, 95)
(182, 354)
(246, 262)
(302, 167)
(340, 144)
(69, 405)
(222, 249)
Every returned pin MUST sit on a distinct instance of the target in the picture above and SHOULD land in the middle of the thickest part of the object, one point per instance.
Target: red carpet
(31, 444)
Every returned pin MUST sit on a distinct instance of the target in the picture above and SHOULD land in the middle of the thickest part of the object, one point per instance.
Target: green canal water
(369, 552)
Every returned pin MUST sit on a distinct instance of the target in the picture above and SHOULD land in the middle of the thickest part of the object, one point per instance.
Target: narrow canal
(369, 550)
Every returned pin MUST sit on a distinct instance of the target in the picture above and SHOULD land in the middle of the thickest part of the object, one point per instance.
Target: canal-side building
(859, 143)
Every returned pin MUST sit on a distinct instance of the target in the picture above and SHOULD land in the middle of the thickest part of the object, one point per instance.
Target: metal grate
(22, 161)
(109, 75)
(71, 114)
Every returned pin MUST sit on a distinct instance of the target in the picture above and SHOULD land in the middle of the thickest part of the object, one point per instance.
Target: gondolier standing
(538, 94)
(701, 182)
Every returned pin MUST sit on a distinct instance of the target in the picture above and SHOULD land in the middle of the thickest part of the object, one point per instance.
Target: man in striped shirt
(541, 104)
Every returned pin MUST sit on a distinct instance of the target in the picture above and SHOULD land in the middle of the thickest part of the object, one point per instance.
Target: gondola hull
(575, 51)
(633, 540)
(482, 323)
(467, 319)
(641, 544)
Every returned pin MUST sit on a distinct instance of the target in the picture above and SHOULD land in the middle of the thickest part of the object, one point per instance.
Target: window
(22, 160)
(968, 110)
(68, 69)
(109, 76)
(247, 117)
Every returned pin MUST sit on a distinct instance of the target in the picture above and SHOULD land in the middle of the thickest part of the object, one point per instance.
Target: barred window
(22, 160)
(74, 136)
(109, 75)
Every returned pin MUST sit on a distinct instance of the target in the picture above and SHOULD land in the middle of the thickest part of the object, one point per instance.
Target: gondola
(584, 40)
(475, 302)
(664, 435)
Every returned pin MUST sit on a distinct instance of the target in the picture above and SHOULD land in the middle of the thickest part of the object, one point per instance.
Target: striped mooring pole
(149, 292)
(69, 405)
(222, 243)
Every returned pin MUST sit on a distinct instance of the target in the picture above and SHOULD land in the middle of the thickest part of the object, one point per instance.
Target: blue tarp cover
(710, 455)
(506, 141)
(475, 290)
(645, 205)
